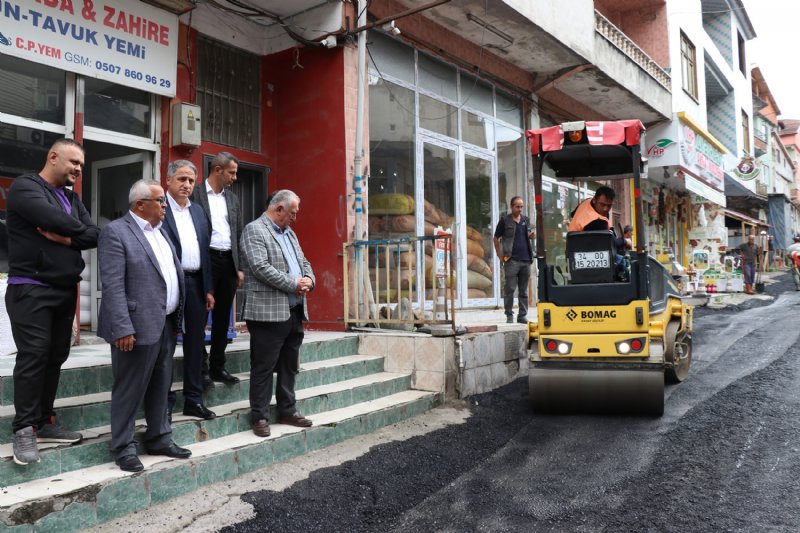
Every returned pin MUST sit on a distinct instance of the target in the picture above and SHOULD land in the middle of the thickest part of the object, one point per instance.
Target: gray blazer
(267, 282)
(134, 290)
(200, 196)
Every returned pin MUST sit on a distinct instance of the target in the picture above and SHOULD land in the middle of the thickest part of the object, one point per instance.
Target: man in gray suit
(139, 316)
(277, 278)
(222, 209)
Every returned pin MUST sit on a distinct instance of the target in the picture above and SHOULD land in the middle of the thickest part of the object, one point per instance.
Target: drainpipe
(357, 164)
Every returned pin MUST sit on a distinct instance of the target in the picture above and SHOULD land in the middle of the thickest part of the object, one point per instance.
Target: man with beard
(48, 226)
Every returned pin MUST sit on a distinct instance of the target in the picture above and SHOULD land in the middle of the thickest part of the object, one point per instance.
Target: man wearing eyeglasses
(139, 316)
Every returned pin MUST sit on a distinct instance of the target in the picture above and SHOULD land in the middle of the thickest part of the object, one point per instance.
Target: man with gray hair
(139, 316)
(187, 227)
(277, 278)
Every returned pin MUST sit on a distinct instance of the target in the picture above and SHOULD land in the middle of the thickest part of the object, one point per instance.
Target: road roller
(611, 324)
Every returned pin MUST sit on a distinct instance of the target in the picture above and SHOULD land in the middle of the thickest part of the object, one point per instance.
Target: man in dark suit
(139, 316)
(222, 209)
(48, 226)
(277, 278)
(188, 229)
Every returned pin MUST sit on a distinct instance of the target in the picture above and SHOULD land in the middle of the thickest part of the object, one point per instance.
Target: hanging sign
(128, 43)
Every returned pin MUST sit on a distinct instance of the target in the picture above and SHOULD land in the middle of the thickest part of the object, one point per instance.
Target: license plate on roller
(598, 259)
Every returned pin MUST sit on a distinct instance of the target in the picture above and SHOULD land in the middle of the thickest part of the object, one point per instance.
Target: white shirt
(166, 263)
(190, 248)
(220, 227)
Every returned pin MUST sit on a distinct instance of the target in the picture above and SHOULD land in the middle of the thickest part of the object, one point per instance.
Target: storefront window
(476, 94)
(31, 90)
(510, 167)
(229, 94)
(480, 250)
(391, 127)
(118, 108)
(509, 109)
(437, 77)
(438, 116)
(390, 57)
(22, 150)
(477, 130)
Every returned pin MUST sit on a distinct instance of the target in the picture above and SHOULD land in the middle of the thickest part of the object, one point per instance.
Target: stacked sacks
(479, 273)
(392, 215)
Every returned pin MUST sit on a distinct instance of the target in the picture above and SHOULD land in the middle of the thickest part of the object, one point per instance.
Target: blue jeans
(749, 272)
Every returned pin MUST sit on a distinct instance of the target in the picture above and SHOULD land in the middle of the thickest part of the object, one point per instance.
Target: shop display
(393, 216)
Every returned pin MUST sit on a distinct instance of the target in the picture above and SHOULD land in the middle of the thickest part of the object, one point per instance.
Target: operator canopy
(585, 148)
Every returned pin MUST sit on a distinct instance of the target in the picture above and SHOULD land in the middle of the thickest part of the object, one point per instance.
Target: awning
(733, 187)
(744, 218)
(706, 191)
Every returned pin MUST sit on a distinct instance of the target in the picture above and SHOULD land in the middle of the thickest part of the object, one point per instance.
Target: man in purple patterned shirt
(48, 226)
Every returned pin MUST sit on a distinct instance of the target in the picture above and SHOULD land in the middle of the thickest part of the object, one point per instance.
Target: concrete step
(88, 369)
(231, 418)
(91, 410)
(90, 495)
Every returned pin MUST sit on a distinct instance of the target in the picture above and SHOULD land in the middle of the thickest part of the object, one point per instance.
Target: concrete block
(400, 354)
(373, 344)
(428, 381)
(497, 347)
(483, 379)
(429, 353)
(468, 384)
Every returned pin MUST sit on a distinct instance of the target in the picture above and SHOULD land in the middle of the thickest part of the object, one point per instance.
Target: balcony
(583, 69)
(618, 38)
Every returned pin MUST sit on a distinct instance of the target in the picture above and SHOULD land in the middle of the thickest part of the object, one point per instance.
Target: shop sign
(5, 186)
(701, 157)
(699, 188)
(129, 43)
(747, 169)
(658, 148)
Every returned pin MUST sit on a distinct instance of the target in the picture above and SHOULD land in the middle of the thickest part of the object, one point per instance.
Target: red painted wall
(303, 141)
(310, 159)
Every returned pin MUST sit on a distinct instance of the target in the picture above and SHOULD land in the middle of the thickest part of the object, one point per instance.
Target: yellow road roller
(611, 325)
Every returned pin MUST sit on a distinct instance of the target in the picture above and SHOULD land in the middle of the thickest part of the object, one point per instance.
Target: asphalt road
(724, 457)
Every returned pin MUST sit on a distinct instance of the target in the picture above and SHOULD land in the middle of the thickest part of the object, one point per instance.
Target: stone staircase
(344, 393)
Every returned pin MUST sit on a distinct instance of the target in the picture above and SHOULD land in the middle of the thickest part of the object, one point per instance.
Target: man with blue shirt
(277, 277)
(512, 242)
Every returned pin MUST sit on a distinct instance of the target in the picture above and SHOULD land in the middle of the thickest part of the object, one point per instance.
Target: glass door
(111, 180)
(436, 200)
(476, 265)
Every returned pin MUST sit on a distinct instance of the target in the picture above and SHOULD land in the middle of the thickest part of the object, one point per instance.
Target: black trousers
(142, 376)
(41, 323)
(274, 347)
(194, 334)
(225, 280)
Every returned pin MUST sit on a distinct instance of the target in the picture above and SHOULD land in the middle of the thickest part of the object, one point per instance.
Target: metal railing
(397, 278)
(617, 37)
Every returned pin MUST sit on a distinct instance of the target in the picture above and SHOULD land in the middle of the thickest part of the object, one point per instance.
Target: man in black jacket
(48, 226)
(512, 242)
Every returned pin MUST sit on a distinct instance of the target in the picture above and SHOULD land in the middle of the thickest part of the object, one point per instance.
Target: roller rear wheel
(677, 353)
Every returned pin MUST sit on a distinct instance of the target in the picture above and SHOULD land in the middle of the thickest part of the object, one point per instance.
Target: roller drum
(597, 390)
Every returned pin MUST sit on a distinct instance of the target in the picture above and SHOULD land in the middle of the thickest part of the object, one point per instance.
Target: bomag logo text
(590, 315)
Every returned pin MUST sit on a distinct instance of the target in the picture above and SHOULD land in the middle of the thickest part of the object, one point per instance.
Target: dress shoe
(199, 410)
(261, 428)
(129, 463)
(522, 320)
(173, 450)
(208, 383)
(297, 420)
(224, 376)
(509, 319)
